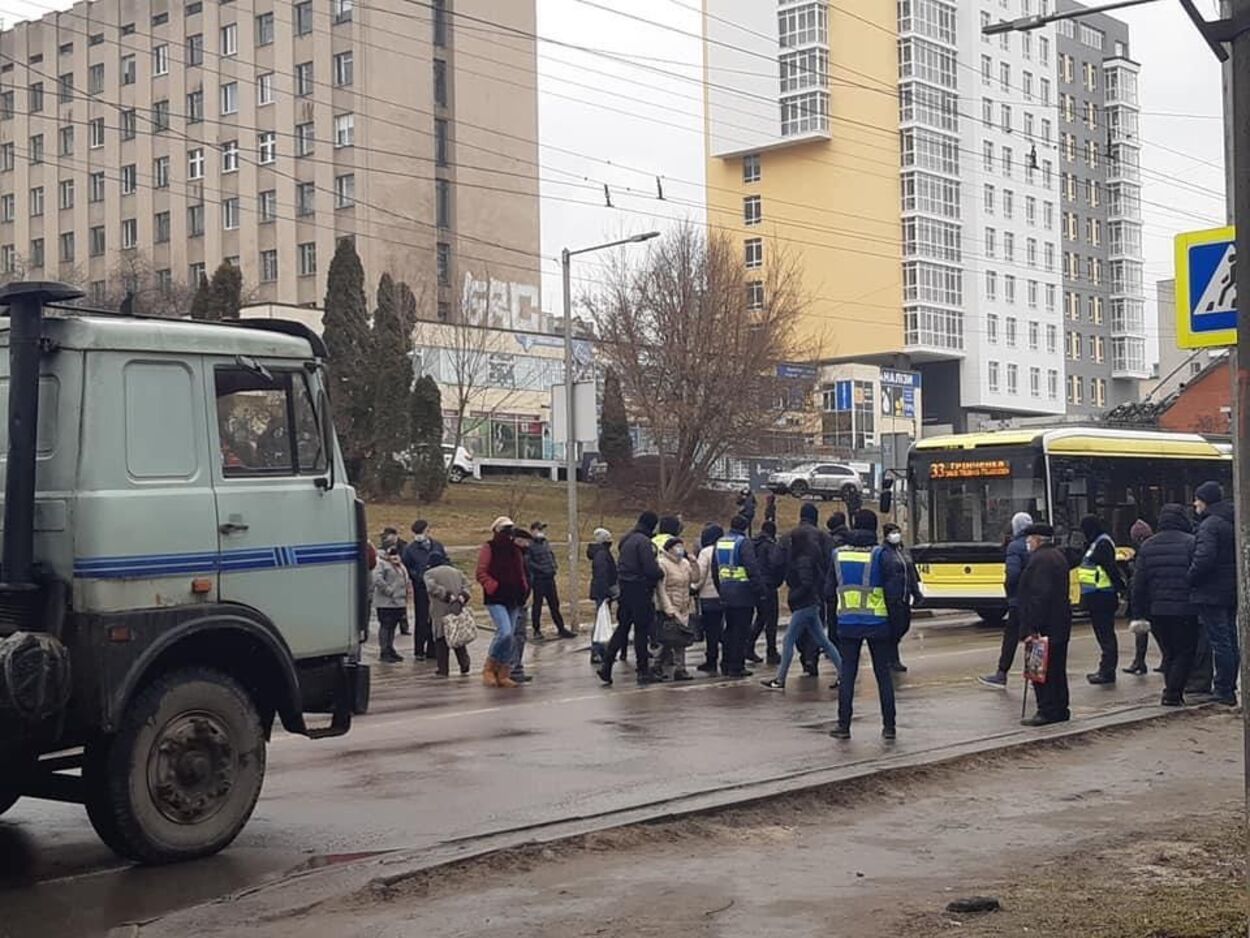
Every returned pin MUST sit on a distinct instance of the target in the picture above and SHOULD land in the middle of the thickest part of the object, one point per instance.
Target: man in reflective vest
(1101, 583)
(855, 577)
(736, 573)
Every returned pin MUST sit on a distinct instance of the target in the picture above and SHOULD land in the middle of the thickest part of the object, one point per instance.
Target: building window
(8, 156)
(1009, 288)
(991, 328)
(1011, 332)
(230, 98)
(230, 213)
(1009, 202)
(193, 9)
(65, 141)
(95, 78)
(65, 88)
(345, 190)
(268, 266)
(440, 141)
(1035, 382)
(129, 70)
(130, 233)
(8, 259)
(1013, 378)
(987, 156)
(343, 69)
(129, 179)
(165, 281)
(196, 273)
(751, 167)
(195, 163)
(342, 10)
(755, 294)
(36, 252)
(1035, 335)
(195, 220)
(230, 156)
(754, 252)
(160, 172)
(344, 130)
(303, 20)
(264, 29)
(304, 139)
(267, 147)
(230, 39)
(160, 227)
(65, 194)
(802, 26)
(95, 187)
(66, 247)
(805, 113)
(442, 203)
(304, 79)
(305, 198)
(160, 116)
(991, 243)
(987, 113)
(95, 241)
(8, 207)
(36, 201)
(129, 123)
(35, 149)
(195, 107)
(264, 89)
(1005, 118)
(440, 82)
(195, 50)
(991, 285)
(36, 97)
(308, 259)
(988, 201)
(991, 373)
(267, 205)
(752, 210)
(442, 264)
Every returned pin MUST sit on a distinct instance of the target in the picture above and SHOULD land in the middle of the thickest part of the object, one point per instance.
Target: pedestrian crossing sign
(1206, 288)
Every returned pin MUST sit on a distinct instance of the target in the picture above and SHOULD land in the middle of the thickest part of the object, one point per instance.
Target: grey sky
(631, 109)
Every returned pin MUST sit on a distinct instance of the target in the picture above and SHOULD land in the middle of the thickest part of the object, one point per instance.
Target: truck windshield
(970, 496)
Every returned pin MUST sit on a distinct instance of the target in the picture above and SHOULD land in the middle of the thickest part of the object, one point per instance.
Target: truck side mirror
(326, 482)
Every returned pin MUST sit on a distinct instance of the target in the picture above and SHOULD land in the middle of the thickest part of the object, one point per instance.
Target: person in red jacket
(501, 572)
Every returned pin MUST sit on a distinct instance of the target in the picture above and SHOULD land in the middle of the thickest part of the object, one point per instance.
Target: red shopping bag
(1036, 658)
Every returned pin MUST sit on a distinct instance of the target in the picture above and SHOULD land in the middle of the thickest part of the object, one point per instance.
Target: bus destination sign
(970, 469)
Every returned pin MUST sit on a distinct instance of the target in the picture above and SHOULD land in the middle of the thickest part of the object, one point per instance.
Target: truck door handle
(232, 527)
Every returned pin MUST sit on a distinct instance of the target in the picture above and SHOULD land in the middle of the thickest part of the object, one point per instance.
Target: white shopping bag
(603, 625)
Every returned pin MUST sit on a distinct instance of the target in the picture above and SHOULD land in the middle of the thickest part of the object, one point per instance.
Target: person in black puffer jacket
(772, 560)
(1161, 594)
(1213, 585)
(638, 572)
(805, 572)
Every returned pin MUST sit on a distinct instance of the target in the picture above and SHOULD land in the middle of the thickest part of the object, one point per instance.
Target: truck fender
(238, 641)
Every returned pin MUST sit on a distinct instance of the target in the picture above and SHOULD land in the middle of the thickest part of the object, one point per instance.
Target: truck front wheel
(182, 774)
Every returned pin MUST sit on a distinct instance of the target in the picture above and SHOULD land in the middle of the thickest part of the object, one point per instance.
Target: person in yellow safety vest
(670, 527)
(856, 577)
(1101, 585)
(735, 570)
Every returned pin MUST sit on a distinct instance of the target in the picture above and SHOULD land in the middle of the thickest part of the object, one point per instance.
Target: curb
(299, 892)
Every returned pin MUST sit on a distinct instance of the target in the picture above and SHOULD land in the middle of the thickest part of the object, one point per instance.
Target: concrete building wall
(390, 158)
(829, 197)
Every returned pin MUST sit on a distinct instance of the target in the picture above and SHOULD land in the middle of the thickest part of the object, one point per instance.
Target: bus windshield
(969, 496)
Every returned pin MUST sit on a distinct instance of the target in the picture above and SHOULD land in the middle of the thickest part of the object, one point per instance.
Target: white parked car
(459, 462)
(826, 480)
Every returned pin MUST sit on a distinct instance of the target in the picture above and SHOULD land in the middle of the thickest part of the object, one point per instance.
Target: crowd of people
(845, 588)
(1180, 587)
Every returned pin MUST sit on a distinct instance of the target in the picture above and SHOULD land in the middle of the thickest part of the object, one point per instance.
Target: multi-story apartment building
(801, 141)
(1100, 173)
(261, 133)
(980, 216)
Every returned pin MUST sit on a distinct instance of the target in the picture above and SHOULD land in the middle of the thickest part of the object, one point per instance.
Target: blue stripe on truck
(149, 566)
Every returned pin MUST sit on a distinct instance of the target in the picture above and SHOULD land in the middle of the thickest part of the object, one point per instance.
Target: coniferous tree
(429, 474)
(615, 445)
(348, 344)
(201, 305)
(225, 292)
(391, 374)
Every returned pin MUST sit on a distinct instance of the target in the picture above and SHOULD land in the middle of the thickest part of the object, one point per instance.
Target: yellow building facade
(802, 152)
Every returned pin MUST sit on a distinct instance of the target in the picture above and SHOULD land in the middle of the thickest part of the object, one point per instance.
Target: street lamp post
(570, 432)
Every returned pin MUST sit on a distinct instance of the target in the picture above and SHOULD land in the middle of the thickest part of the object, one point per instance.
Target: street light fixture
(570, 433)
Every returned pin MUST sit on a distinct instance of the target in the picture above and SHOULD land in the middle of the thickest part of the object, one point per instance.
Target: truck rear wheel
(182, 774)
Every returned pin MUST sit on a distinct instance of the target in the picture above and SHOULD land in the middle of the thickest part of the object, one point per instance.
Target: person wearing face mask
(674, 599)
(541, 566)
(417, 560)
(711, 613)
(1045, 609)
(501, 573)
(901, 585)
(1016, 553)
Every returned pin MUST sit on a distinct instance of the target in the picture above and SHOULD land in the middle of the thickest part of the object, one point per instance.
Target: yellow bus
(965, 488)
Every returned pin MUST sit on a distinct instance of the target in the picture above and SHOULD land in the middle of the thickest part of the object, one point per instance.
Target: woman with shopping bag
(674, 602)
(448, 589)
(603, 589)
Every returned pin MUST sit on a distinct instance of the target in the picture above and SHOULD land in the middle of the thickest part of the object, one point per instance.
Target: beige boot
(503, 675)
(490, 673)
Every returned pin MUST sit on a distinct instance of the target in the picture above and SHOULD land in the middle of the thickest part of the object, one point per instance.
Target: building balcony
(933, 334)
(1128, 357)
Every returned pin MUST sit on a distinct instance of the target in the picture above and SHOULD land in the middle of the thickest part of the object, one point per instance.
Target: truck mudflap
(340, 687)
(360, 681)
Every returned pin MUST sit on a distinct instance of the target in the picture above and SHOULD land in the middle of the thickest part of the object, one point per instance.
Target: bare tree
(696, 341)
(132, 276)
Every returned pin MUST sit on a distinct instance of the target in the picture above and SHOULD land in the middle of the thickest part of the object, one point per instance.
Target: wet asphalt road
(440, 759)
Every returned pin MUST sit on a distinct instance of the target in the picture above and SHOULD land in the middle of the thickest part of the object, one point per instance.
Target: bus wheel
(992, 615)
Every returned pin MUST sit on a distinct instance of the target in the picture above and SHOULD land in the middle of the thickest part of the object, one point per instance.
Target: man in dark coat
(809, 654)
(416, 558)
(541, 566)
(638, 572)
(1045, 609)
(1161, 594)
(1016, 556)
(746, 507)
(772, 560)
(1213, 585)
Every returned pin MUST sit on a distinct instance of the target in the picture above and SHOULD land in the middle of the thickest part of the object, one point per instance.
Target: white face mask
(679, 552)
(895, 537)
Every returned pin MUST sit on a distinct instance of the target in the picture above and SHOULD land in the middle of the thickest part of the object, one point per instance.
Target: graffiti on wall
(501, 304)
